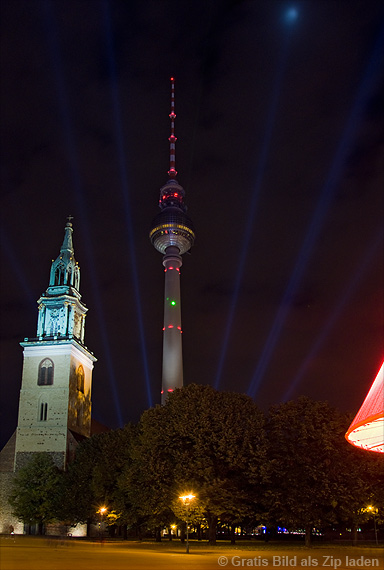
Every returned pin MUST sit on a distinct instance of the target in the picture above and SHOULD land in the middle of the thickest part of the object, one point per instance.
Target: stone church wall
(7, 520)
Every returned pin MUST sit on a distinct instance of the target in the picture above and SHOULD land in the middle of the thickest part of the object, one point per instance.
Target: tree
(201, 440)
(92, 479)
(36, 493)
(316, 477)
(114, 457)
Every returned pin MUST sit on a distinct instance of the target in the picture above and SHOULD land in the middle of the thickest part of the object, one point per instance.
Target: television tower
(172, 234)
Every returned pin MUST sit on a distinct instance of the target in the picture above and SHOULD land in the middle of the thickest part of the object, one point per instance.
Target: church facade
(55, 395)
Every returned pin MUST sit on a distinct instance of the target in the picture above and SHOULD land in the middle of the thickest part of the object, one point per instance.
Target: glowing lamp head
(187, 498)
(367, 429)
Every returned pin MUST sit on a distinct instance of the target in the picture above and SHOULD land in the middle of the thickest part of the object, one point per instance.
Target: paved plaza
(42, 553)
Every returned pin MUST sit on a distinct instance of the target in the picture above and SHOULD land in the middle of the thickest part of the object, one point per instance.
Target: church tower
(55, 396)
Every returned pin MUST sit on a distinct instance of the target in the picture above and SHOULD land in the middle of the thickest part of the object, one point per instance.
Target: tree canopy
(36, 494)
(210, 442)
(316, 477)
(91, 481)
(291, 467)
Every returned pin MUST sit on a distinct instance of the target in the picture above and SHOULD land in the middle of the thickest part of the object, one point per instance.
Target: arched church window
(59, 274)
(43, 411)
(76, 281)
(45, 377)
(80, 378)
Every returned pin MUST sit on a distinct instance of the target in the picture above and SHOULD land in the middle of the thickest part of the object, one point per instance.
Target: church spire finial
(65, 272)
(67, 243)
(172, 172)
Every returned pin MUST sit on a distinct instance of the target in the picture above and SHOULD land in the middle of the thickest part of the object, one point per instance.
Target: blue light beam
(52, 33)
(271, 115)
(17, 268)
(354, 282)
(119, 138)
(371, 72)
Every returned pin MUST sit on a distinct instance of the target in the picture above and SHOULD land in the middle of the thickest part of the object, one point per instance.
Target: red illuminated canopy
(367, 429)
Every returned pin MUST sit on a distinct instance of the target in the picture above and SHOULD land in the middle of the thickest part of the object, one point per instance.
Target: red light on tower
(172, 172)
(367, 429)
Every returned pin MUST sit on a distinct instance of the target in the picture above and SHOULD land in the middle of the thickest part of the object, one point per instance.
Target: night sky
(280, 152)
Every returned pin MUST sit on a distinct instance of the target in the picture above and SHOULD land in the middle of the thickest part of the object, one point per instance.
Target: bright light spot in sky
(291, 15)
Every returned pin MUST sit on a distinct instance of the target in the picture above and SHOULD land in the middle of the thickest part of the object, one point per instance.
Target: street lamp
(101, 512)
(187, 501)
(373, 510)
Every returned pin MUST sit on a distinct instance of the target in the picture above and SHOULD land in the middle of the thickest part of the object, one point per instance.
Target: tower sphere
(172, 226)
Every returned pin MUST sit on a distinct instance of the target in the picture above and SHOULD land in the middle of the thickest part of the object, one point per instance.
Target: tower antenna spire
(172, 172)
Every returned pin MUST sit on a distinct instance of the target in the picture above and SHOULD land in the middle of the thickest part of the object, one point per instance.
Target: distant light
(173, 302)
(291, 15)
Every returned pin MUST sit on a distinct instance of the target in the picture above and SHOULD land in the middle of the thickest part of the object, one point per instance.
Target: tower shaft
(172, 376)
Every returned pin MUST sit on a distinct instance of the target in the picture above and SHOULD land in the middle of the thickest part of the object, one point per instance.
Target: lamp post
(101, 512)
(373, 510)
(187, 501)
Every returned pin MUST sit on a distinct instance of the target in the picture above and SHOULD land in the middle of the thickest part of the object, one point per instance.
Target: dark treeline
(291, 467)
